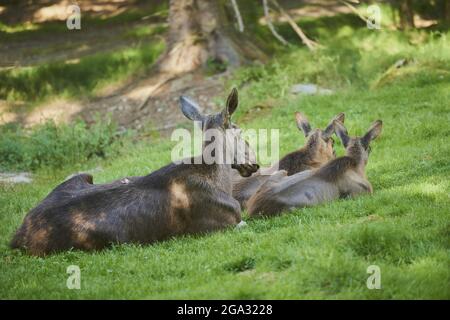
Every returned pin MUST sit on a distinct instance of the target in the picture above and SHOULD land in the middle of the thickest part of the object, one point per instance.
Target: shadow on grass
(150, 12)
(79, 78)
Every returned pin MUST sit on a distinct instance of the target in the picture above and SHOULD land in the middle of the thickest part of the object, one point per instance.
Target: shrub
(51, 145)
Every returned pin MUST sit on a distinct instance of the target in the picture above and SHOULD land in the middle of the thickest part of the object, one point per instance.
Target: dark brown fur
(175, 200)
(341, 177)
(315, 153)
(317, 150)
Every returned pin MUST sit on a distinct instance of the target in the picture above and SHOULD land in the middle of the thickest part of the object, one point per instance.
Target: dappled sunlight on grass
(80, 79)
(432, 189)
(19, 28)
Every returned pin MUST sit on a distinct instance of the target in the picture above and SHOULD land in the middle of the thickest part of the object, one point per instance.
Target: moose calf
(317, 151)
(341, 177)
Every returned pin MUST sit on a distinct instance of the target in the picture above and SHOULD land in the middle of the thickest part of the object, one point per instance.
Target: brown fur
(341, 177)
(178, 199)
(317, 151)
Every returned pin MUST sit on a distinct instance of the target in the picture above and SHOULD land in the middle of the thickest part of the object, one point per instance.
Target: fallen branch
(238, 16)
(308, 42)
(270, 25)
(355, 10)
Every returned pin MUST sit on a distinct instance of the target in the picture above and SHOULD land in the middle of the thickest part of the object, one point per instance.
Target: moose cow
(181, 198)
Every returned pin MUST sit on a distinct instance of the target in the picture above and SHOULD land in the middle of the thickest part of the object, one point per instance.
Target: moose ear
(372, 133)
(302, 123)
(232, 101)
(341, 132)
(231, 105)
(190, 109)
(340, 117)
(330, 129)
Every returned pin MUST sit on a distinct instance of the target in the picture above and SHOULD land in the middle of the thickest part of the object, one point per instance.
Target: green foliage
(352, 57)
(214, 66)
(132, 51)
(79, 78)
(56, 146)
(28, 30)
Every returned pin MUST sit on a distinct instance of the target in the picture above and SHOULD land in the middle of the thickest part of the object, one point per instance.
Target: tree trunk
(446, 13)
(406, 13)
(201, 30)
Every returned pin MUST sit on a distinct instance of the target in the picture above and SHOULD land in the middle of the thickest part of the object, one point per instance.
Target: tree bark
(406, 13)
(446, 13)
(200, 30)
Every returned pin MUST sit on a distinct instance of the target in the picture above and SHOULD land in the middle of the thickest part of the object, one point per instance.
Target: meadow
(312, 253)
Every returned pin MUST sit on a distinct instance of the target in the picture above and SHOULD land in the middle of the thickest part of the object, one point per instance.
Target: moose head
(318, 139)
(359, 147)
(222, 140)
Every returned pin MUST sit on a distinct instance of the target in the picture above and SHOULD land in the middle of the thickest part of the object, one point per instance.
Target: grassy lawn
(320, 252)
(82, 77)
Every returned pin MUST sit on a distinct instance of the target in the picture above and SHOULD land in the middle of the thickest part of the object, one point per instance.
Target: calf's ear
(372, 133)
(342, 133)
(330, 129)
(302, 123)
(340, 117)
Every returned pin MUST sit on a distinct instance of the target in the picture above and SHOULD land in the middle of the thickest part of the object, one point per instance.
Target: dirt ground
(138, 102)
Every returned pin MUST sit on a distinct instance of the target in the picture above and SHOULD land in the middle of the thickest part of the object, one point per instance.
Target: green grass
(320, 252)
(29, 30)
(56, 146)
(132, 52)
(79, 78)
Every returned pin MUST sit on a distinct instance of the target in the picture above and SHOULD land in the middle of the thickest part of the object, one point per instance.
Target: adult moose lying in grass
(178, 199)
(342, 177)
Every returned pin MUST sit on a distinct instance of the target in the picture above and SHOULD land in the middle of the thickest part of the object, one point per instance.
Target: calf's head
(222, 141)
(319, 140)
(359, 147)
